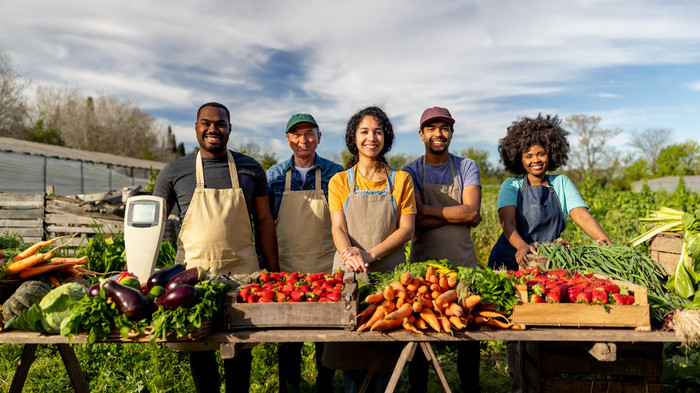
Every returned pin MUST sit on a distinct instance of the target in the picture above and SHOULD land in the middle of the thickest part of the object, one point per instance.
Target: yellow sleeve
(338, 191)
(404, 193)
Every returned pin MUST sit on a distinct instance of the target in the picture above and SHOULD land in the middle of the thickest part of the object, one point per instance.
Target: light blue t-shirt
(568, 195)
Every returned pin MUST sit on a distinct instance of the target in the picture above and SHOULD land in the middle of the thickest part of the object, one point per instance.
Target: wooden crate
(568, 366)
(665, 248)
(340, 314)
(584, 315)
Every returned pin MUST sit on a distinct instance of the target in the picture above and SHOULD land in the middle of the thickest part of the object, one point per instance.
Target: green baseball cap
(300, 118)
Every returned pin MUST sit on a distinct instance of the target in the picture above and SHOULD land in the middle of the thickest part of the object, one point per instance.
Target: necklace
(375, 175)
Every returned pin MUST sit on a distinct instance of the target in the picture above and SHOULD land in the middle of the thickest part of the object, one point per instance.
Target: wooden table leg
(406, 355)
(430, 355)
(25, 361)
(77, 379)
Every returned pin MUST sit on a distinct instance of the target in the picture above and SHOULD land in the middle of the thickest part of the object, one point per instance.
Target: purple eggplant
(94, 290)
(162, 276)
(128, 300)
(183, 295)
(190, 276)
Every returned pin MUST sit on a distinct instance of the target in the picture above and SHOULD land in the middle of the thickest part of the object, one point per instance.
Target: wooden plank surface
(80, 219)
(21, 224)
(25, 232)
(11, 199)
(341, 335)
(20, 213)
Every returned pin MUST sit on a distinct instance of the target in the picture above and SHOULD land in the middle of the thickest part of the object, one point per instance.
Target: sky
(633, 63)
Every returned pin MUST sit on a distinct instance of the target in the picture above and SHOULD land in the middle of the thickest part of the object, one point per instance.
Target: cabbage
(56, 305)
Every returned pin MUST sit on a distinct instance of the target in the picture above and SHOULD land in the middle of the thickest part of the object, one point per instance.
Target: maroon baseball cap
(436, 113)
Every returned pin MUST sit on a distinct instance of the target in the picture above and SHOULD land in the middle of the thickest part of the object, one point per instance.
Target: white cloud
(603, 94)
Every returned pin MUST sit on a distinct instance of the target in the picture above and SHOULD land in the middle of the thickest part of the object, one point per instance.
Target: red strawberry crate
(584, 315)
(341, 314)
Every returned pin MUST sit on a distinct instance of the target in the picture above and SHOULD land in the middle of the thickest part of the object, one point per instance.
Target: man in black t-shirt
(217, 191)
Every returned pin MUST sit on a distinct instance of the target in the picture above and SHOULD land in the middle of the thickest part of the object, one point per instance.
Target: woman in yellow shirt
(373, 212)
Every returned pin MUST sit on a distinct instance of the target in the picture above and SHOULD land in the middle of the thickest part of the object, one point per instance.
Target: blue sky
(635, 64)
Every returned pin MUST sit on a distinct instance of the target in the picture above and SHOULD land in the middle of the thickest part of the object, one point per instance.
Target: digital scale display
(143, 214)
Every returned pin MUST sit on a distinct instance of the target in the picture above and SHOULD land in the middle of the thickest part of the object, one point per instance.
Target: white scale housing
(144, 224)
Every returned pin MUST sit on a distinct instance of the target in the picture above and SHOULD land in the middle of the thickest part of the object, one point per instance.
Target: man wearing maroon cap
(448, 198)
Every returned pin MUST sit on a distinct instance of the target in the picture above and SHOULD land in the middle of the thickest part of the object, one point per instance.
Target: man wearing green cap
(299, 204)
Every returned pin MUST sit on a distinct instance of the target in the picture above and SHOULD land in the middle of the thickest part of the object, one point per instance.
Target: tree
(265, 158)
(679, 159)
(13, 110)
(489, 172)
(650, 142)
(593, 154)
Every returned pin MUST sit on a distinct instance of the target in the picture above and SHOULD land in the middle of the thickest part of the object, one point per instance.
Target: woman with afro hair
(532, 206)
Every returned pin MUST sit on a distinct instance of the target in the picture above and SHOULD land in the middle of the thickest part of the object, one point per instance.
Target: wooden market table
(229, 343)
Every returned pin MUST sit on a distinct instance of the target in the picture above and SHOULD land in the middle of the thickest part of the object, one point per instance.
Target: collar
(290, 162)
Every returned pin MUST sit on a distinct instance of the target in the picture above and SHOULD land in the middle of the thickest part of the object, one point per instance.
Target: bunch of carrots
(30, 262)
(423, 303)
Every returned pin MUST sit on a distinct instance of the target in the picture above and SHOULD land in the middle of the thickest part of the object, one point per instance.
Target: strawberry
(324, 299)
(318, 291)
(535, 298)
(265, 276)
(599, 295)
(554, 296)
(297, 295)
(265, 300)
(584, 297)
(281, 297)
(619, 298)
(253, 298)
(305, 288)
(573, 292)
(334, 297)
(267, 294)
(244, 293)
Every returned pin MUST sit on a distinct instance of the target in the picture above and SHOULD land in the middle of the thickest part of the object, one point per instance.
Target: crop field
(156, 368)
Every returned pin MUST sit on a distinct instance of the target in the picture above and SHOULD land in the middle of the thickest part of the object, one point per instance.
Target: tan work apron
(304, 238)
(371, 216)
(451, 241)
(216, 231)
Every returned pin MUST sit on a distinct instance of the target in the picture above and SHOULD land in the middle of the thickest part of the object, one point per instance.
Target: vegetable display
(293, 287)
(619, 263)
(434, 299)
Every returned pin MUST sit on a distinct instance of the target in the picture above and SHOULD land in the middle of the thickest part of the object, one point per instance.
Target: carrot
(36, 270)
(406, 278)
(422, 289)
(402, 294)
(457, 323)
(413, 285)
(498, 323)
(430, 272)
(454, 309)
(448, 297)
(445, 324)
(471, 301)
(375, 298)
(489, 314)
(389, 293)
(435, 294)
(417, 306)
(424, 302)
(421, 324)
(442, 281)
(429, 317)
(385, 324)
(366, 313)
(452, 281)
(34, 248)
(409, 325)
(16, 267)
(433, 279)
(403, 312)
(54, 281)
(382, 310)
(479, 320)
(400, 302)
(435, 287)
(398, 286)
(80, 260)
(421, 280)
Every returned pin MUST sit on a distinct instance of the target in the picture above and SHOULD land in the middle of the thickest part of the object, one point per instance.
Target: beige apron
(451, 241)
(371, 216)
(304, 238)
(216, 231)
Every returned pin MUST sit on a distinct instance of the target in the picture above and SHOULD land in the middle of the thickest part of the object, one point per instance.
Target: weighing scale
(144, 224)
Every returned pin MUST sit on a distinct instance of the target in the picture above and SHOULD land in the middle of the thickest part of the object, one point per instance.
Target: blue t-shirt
(466, 171)
(568, 195)
(277, 173)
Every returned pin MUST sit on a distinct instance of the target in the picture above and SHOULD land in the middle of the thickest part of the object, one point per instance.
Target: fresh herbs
(495, 288)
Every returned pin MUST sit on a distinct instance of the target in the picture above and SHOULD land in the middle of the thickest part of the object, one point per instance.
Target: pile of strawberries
(294, 287)
(562, 286)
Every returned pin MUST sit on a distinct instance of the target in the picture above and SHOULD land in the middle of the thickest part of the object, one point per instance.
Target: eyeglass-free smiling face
(370, 138)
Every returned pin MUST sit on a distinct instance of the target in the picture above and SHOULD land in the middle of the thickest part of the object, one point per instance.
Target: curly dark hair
(542, 130)
(354, 122)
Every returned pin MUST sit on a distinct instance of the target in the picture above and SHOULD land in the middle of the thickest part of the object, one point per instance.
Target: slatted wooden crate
(584, 315)
(341, 314)
(665, 248)
(568, 366)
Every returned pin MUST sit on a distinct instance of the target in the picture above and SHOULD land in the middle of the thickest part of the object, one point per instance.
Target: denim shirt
(277, 173)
